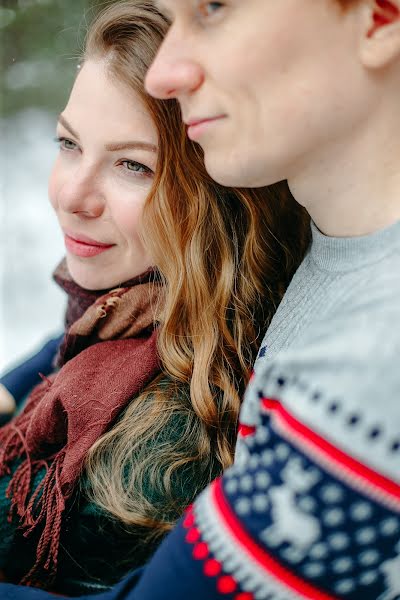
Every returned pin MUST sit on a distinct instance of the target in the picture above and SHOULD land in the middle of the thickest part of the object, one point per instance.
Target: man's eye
(207, 9)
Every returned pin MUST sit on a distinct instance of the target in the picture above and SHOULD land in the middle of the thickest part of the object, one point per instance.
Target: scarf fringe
(52, 506)
(45, 505)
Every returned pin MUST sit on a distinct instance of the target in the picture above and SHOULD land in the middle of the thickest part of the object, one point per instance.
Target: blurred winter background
(40, 41)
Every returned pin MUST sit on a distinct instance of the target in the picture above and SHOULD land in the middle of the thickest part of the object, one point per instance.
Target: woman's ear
(380, 44)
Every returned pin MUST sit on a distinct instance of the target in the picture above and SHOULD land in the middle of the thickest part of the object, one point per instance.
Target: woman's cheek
(55, 183)
(127, 210)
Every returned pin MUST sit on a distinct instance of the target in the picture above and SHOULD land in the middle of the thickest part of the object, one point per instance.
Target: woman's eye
(66, 144)
(136, 167)
(207, 9)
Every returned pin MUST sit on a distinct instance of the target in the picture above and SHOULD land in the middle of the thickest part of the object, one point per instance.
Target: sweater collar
(338, 254)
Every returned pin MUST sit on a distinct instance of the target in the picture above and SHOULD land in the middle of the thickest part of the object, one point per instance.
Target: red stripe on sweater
(245, 430)
(320, 445)
(258, 554)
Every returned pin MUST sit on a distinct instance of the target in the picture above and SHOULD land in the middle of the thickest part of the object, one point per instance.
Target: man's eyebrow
(134, 145)
(65, 123)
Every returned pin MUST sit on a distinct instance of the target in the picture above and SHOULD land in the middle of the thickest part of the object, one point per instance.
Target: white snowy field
(31, 305)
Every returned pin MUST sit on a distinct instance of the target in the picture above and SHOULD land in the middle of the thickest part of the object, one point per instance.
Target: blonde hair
(226, 257)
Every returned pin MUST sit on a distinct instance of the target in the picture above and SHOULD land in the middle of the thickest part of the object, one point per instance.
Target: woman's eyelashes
(65, 143)
(136, 168)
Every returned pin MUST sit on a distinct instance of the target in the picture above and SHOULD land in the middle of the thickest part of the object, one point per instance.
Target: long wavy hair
(226, 257)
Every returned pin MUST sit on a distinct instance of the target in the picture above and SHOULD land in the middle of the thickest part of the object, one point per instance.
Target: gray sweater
(336, 340)
(316, 481)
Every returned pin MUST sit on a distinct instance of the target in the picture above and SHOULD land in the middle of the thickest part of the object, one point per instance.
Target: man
(309, 92)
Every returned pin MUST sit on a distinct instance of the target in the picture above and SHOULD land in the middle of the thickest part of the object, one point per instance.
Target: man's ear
(380, 44)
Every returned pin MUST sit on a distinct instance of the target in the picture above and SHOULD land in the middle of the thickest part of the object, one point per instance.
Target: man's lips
(82, 245)
(196, 126)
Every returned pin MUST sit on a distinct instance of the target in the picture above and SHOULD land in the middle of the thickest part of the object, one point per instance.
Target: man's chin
(220, 171)
(229, 174)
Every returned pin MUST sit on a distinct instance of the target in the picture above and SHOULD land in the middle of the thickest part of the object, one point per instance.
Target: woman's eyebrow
(129, 145)
(134, 145)
(64, 122)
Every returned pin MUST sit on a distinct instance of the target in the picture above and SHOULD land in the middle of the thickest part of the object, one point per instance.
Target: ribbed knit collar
(348, 253)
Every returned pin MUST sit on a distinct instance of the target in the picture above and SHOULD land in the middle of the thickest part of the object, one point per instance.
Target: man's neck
(353, 189)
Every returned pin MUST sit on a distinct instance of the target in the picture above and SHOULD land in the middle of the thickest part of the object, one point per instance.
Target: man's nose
(82, 194)
(174, 73)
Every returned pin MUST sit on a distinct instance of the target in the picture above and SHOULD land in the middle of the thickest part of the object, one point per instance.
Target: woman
(143, 411)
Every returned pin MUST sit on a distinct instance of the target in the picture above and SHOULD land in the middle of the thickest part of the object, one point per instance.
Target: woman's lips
(85, 247)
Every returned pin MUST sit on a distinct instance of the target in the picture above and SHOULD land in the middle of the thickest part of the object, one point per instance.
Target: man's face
(264, 85)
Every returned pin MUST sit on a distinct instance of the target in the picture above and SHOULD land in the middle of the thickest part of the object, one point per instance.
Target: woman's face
(102, 177)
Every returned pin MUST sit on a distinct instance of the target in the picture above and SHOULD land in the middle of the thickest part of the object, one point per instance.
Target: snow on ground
(31, 305)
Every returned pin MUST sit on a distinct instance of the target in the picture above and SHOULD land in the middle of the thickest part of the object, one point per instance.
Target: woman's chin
(92, 277)
(89, 284)
(91, 281)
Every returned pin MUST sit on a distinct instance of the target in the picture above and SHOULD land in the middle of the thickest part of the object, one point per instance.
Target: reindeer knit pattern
(311, 507)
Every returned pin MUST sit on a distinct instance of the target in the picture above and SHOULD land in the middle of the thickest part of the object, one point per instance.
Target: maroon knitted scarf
(107, 358)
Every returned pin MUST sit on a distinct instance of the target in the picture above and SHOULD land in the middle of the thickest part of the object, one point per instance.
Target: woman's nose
(82, 194)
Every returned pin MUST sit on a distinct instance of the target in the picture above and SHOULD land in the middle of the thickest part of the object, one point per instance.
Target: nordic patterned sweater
(311, 508)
